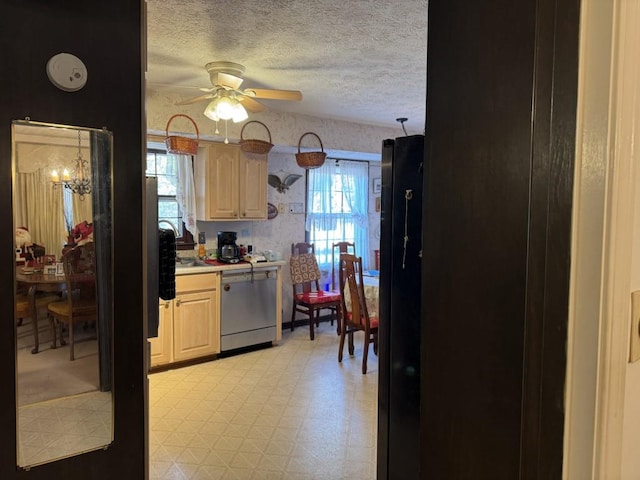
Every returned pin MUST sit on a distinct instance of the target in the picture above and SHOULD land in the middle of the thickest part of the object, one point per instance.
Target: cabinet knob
(166, 304)
(244, 214)
(177, 302)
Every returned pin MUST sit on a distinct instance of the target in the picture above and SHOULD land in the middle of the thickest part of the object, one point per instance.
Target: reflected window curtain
(355, 188)
(40, 209)
(186, 192)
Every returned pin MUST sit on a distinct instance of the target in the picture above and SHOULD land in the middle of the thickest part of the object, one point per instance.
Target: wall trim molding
(624, 121)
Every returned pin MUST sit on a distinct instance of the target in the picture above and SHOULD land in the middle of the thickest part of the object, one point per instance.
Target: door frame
(604, 198)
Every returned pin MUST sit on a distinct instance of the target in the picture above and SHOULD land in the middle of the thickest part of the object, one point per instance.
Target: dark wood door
(107, 37)
(501, 99)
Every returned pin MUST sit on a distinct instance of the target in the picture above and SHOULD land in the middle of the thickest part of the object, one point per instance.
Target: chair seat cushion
(373, 321)
(80, 308)
(42, 300)
(318, 297)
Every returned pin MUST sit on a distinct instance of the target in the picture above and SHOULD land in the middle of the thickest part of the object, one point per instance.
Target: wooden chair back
(355, 314)
(336, 250)
(302, 248)
(80, 303)
(79, 271)
(305, 273)
(308, 298)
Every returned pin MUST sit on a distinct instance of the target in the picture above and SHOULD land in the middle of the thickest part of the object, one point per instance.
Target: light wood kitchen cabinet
(189, 324)
(194, 332)
(161, 345)
(230, 185)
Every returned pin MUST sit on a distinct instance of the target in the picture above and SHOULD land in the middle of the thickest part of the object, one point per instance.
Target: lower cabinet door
(161, 345)
(195, 326)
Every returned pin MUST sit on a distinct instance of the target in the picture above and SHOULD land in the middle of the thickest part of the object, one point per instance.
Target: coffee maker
(228, 251)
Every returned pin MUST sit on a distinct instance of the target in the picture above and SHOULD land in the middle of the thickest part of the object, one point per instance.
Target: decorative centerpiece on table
(23, 241)
(28, 252)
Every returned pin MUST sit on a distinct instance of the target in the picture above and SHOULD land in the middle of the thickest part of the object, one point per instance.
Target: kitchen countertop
(219, 266)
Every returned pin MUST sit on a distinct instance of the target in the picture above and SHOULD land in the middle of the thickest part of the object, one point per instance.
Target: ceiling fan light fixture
(225, 107)
(211, 112)
(239, 113)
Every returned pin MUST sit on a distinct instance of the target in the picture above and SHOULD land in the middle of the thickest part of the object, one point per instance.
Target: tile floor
(66, 426)
(287, 412)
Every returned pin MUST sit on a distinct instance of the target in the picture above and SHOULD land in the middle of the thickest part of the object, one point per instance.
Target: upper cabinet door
(253, 188)
(217, 182)
(229, 184)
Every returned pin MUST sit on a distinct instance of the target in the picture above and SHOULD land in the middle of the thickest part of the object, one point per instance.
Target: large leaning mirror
(63, 296)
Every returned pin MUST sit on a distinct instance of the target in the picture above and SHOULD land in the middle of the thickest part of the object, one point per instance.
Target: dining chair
(80, 302)
(338, 248)
(355, 314)
(308, 298)
(23, 308)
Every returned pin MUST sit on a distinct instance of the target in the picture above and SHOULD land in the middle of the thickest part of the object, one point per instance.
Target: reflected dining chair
(80, 302)
(308, 298)
(23, 306)
(355, 314)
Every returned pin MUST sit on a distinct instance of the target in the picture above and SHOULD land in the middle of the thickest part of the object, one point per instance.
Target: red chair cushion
(373, 321)
(318, 297)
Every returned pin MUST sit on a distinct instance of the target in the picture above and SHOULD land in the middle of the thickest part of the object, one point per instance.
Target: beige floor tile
(284, 412)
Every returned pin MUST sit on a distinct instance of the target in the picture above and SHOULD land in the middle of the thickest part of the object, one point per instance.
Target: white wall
(341, 139)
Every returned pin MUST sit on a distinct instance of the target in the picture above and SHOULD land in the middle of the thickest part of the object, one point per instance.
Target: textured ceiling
(354, 60)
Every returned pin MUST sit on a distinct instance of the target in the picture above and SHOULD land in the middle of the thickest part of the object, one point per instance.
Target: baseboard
(304, 322)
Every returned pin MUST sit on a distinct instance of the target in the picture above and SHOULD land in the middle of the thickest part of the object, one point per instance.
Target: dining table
(371, 287)
(38, 282)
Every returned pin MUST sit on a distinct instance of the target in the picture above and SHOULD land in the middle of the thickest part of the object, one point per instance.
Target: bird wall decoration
(282, 180)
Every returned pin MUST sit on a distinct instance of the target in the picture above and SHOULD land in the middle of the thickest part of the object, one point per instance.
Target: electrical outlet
(282, 208)
(634, 344)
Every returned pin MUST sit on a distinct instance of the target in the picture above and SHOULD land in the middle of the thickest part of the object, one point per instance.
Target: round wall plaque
(272, 211)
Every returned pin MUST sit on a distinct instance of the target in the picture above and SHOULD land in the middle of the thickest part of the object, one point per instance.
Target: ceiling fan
(226, 78)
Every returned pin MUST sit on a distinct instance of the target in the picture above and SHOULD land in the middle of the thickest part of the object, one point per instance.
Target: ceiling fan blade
(251, 105)
(197, 99)
(269, 94)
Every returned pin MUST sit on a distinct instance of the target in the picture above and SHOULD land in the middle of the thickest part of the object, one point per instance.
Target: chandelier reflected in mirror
(80, 183)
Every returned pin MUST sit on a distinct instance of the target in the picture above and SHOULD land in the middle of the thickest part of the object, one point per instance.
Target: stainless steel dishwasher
(248, 307)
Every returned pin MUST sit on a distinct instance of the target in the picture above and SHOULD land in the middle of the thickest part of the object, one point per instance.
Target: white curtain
(186, 192)
(39, 207)
(82, 209)
(320, 211)
(355, 188)
(328, 210)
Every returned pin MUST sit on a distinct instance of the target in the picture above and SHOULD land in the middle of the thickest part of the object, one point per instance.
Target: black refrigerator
(400, 308)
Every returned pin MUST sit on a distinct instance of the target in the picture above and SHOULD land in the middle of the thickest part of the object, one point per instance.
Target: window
(337, 197)
(165, 168)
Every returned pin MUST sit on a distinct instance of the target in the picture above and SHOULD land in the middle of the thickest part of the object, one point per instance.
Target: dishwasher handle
(238, 277)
